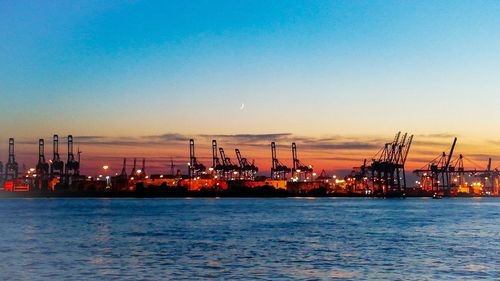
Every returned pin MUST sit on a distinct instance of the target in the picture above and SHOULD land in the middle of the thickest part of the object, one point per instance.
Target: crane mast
(11, 167)
(278, 170)
(42, 167)
(300, 171)
(195, 168)
(57, 165)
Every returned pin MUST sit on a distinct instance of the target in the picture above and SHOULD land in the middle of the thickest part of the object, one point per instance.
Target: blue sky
(311, 68)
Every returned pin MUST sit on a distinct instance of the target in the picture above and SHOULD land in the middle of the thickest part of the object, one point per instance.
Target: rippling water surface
(232, 239)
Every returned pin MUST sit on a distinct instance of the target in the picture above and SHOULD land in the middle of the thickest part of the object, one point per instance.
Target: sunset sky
(340, 78)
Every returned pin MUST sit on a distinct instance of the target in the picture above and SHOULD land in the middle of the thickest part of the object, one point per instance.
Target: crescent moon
(242, 106)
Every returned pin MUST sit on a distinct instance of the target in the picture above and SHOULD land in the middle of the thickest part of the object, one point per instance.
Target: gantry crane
(172, 167)
(300, 171)
(72, 168)
(278, 169)
(435, 176)
(42, 168)
(142, 173)
(72, 165)
(11, 167)
(57, 165)
(490, 180)
(217, 166)
(387, 170)
(248, 170)
(358, 181)
(123, 174)
(137, 174)
(195, 168)
(230, 169)
(1, 173)
(133, 173)
(484, 179)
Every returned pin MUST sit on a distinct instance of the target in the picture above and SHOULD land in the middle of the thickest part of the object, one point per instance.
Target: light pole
(105, 168)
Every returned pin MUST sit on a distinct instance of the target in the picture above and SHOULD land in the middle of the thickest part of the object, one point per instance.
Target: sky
(340, 78)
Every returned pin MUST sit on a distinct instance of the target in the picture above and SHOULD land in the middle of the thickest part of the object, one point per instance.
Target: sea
(250, 239)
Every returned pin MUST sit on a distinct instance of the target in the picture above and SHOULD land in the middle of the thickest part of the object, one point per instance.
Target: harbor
(384, 175)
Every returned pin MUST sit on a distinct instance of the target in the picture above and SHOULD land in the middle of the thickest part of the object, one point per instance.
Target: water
(235, 239)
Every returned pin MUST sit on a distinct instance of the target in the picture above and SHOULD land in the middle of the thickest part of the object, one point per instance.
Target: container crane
(278, 170)
(230, 169)
(172, 167)
(217, 166)
(72, 166)
(42, 167)
(435, 176)
(490, 179)
(300, 171)
(133, 173)
(387, 170)
(195, 168)
(142, 173)
(358, 181)
(57, 165)
(124, 168)
(248, 170)
(1, 172)
(11, 167)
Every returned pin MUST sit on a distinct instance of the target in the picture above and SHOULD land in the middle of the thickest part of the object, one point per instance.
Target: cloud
(438, 136)
(341, 146)
(84, 138)
(342, 158)
(168, 137)
(248, 137)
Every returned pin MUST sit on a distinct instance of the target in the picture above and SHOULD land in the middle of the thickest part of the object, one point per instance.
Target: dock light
(298, 170)
(161, 176)
(105, 167)
(314, 174)
(139, 171)
(210, 169)
(89, 177)
(32, 169)
(100, 176)
(132, 178)
(107, 177)
(235, 172)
